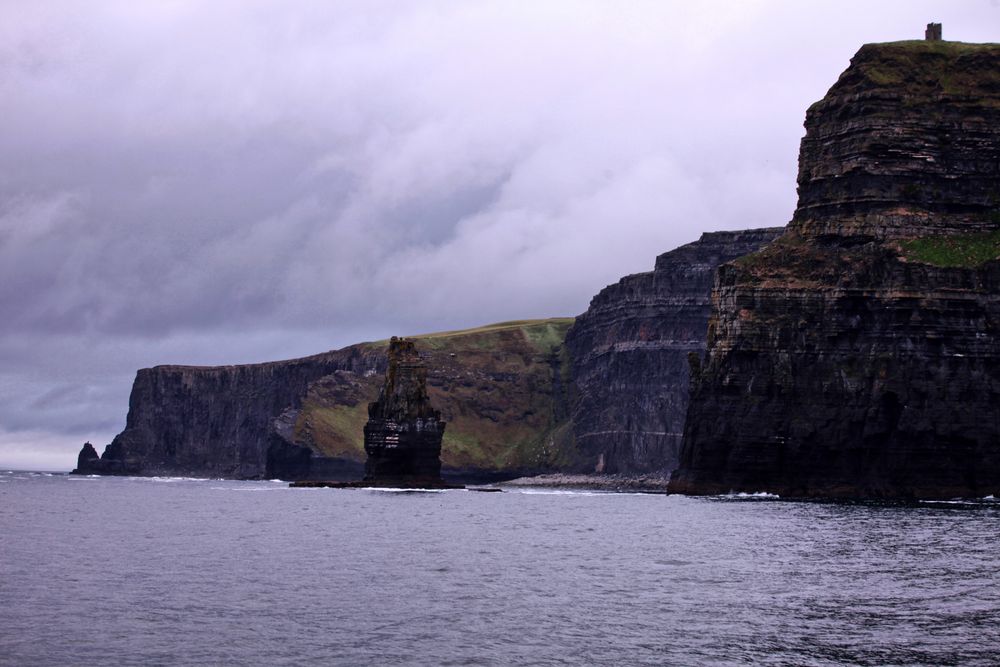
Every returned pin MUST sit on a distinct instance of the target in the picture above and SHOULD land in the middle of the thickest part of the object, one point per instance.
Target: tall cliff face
(859, 354)
(630, 352)
(216, 421)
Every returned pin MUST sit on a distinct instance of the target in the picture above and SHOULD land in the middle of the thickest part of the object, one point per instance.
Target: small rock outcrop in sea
(629, 355)
(88, 462)
(403, 434)
(859, 354)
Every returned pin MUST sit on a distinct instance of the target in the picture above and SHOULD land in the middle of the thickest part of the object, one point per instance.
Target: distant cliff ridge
(630, 352)
(859, 354)
(216, 421)
(500, 388)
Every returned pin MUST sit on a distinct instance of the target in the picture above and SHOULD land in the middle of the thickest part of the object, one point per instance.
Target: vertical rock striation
(630, 352)
(859, 354)
(403, 434)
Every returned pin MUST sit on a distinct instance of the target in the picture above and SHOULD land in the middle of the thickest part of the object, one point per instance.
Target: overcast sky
(229, 182)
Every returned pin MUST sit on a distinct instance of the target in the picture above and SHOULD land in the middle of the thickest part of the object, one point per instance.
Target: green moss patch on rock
(966, 251)
(922, 69)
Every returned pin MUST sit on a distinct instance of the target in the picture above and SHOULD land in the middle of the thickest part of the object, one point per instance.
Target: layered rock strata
(859, 354)
(87, 460)
(630, 350)
(403, 434)
(215, 421)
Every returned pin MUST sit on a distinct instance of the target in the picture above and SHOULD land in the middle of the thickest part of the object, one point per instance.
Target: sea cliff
(216, 421)
(501, 389)
(629, 354)
(859, 354)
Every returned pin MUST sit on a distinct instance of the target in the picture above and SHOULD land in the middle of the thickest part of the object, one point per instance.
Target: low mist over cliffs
(859, 355)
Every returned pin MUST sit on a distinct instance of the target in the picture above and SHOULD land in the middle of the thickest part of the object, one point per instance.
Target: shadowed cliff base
(859, 354)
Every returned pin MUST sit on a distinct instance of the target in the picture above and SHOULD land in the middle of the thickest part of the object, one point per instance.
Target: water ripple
(133, 571)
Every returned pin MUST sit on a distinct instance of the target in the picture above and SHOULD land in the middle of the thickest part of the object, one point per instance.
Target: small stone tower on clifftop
(403, 434)
(933, 32)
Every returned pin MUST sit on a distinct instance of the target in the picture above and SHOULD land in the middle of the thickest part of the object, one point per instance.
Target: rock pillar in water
(403, 433)
(88, 461)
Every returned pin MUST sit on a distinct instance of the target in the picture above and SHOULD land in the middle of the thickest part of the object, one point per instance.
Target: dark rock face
(88, 462)
(630, 352)
(403, 434)
(216, 421)
(840, 363)
(905, 144)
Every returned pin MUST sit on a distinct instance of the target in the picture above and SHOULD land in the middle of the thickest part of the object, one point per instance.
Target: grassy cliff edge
(502, 389)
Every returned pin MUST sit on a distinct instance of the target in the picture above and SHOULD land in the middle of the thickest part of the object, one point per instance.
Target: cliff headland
(859, 354)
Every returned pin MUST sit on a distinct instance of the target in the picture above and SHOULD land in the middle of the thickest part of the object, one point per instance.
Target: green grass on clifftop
(967, 250)
(532, 328)
(501, 388)
(921, 71)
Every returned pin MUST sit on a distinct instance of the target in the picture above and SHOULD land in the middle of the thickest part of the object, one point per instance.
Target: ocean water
(130, 571)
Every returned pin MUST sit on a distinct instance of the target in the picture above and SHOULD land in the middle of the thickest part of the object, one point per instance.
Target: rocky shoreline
(647, 483)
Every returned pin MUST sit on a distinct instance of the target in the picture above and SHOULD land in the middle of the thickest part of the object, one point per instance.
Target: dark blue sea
(131, 571)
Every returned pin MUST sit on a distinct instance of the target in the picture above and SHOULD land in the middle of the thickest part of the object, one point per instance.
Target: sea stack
(403, 434)
(88, 462)
(858, 355)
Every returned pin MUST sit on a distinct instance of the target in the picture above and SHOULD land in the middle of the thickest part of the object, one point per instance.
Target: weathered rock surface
(630, 352)
(88, 462)
(859, 354)
(904, 144)
(403, 434)
(216, 421)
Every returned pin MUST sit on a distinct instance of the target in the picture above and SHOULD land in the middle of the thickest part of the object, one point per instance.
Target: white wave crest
(755, 494)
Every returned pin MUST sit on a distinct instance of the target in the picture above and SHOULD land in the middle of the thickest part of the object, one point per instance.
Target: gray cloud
(226, 182)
